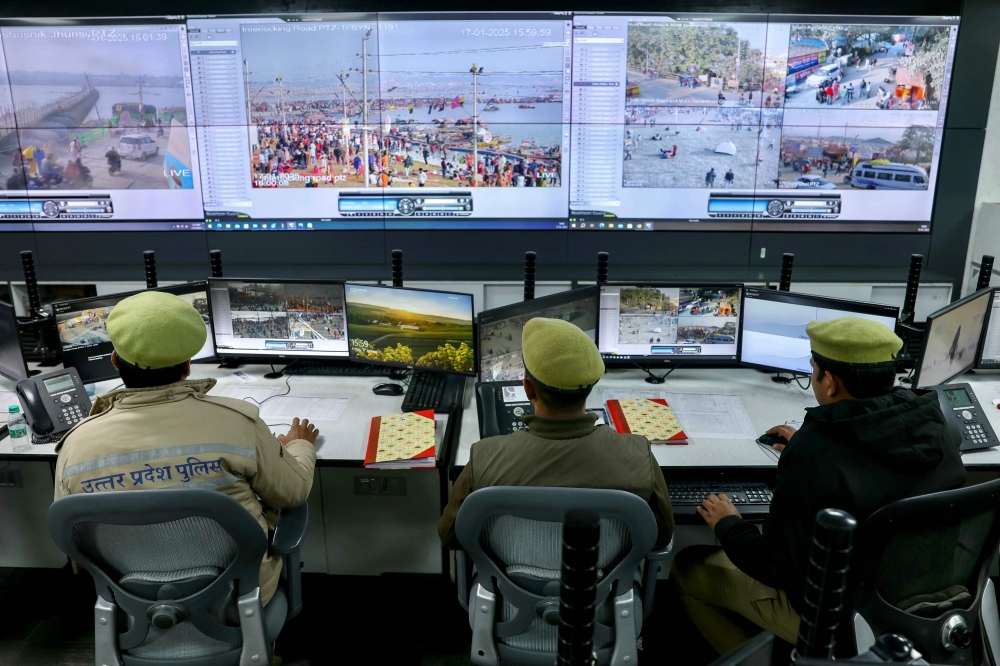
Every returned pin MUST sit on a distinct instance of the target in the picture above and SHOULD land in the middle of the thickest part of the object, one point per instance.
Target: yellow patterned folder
(402, 440)
(650, 417)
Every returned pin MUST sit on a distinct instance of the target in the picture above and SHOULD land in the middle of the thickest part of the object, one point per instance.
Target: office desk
(767, 404)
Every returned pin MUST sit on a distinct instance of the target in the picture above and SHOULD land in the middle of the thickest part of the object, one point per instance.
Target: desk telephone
(965, 417)
(54, 402)
(501, 406)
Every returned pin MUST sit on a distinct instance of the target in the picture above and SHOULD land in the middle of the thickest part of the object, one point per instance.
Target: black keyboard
(315, 366)
(431, 390)
(749, 498)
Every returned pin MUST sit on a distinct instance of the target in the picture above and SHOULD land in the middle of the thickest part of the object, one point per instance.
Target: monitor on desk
(279, 319)
(417, 328)
(952, 337)
(672, 323)
(12, 364)
(83, 335)
(989, 350)
(500, 329)
(774, 325)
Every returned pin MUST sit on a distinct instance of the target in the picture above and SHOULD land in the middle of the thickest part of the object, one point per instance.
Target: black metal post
(31, 283)
(985, 271)
(215, 259)
(826, 583)
(578, 588)
(906, 314)
(397, 268)
(785, 281)
(602, 267)
(529, 275)
(149, 260)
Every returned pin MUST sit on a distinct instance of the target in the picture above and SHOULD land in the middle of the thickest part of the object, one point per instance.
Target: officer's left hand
(715, 508)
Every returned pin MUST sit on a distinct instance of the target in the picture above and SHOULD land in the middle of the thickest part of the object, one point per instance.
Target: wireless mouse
(771, 440)
(387, 389)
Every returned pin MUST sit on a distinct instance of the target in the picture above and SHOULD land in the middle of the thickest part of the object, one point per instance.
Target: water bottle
(18, 430)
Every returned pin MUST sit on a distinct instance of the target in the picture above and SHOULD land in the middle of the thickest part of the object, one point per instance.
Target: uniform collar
(571, 428)
(135, 397)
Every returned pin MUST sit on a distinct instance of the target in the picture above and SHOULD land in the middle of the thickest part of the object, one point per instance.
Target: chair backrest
(514, 537)
(924, 560)
(173, 561)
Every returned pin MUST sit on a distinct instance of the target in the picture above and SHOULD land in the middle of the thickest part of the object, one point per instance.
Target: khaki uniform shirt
(563, 453)
(175, 436)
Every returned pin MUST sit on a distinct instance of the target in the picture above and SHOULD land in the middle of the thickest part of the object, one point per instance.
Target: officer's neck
(546, 412)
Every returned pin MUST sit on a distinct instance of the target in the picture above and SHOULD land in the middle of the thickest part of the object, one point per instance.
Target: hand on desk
(785, 431)
(715, 508)
(303, 430)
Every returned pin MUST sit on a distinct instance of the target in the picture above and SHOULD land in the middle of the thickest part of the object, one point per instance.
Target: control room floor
(47, 620)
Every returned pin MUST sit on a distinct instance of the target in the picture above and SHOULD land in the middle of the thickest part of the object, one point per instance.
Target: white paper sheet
(705, 415)
(256, 393)
(7, 398)
(314, 409)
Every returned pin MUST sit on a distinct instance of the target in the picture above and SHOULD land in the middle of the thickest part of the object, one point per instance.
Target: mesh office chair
(176, 573)
(514, 538)
(923, 566)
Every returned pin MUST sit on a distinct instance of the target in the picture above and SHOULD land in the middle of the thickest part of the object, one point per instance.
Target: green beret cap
(155, 330)
(853, 340)
(560, 355)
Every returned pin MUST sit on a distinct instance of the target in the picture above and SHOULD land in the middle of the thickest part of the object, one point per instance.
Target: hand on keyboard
(715, 508)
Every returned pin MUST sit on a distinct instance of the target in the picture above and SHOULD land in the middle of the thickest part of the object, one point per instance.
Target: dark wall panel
(118, 256)
(472, 255)
(328, 254)
(975, 64)
(11, 245)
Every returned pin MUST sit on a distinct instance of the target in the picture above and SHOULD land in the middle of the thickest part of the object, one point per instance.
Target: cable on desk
(770, 451)
(288, 389)
(799, 383)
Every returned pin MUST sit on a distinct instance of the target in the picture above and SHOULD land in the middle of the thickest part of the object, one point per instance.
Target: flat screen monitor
(952, 336)
(12, 364)
(989, 350)
(673, 323)
(415, 328)
(774, 325)
(500, 356)
(279, 319)
(83, 334)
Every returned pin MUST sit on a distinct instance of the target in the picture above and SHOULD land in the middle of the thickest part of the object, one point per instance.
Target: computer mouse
(771, 440)
(387, 389)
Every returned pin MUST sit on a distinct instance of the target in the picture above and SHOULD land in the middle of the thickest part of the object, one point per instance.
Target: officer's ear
(529, 389)
(114, 360)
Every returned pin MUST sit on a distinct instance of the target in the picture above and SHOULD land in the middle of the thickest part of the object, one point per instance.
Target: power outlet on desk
(392, 486)
(11, 478)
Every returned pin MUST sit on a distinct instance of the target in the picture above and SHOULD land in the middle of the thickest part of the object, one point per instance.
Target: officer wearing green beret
(161, 431)
(866, 445)
(562, 446)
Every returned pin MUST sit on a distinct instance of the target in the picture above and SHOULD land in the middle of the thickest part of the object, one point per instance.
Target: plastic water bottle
(18, 429)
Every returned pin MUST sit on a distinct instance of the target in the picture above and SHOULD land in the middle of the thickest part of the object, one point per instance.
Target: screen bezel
(249, 358)
(927, 332)
(7, 312)
(660, 361)
(114, 299)
(513, 309)
(415, 368)
(986, 330)
(856, 307)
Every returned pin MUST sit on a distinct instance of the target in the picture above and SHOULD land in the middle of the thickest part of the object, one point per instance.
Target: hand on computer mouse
(777, 436)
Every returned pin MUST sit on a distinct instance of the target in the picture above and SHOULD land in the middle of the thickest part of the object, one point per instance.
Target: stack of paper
(401, 441)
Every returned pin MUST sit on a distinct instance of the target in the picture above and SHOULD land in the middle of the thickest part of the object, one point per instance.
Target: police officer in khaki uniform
(161, 431)
(561, 446)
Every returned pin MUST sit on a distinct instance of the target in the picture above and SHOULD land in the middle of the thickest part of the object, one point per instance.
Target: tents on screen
(726, 147)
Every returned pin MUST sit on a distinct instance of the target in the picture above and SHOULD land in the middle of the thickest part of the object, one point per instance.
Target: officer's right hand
(785, 431)
(303, 430)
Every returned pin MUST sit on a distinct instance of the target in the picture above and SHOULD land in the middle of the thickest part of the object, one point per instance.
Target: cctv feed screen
(991, 340)
(774, 325)
(952, 341)
(500, 357)
(426, 120)
(676, 323)
(412, 327)
(83, 333)
(279, 319)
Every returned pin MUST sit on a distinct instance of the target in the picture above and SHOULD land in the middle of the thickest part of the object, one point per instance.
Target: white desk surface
(767, 403)
(342, 441)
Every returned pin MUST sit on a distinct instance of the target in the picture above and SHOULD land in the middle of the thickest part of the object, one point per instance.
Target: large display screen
(540, 120)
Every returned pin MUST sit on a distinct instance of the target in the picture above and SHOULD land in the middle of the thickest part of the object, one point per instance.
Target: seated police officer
(161, 431)
(561, 446)
(867, 445)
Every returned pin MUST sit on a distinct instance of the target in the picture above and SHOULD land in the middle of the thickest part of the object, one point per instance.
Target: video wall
(476, 121)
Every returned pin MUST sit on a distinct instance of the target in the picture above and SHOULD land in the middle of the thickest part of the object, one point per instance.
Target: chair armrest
(664, 553)
(290, 532)
(462, 580)
(651, 569)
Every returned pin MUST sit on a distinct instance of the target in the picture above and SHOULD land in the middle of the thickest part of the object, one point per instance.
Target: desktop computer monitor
(500, 329)
(671, 323)
(414, 328)
(12, 363)
(989, 350)
(83, 335)
(951, 339)
(278, 319)
(774, 325)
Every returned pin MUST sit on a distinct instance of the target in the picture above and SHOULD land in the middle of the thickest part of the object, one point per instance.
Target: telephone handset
(54, 402)
(501, 406)
(965, 417)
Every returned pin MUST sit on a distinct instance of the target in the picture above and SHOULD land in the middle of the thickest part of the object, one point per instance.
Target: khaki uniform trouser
(727, 605)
